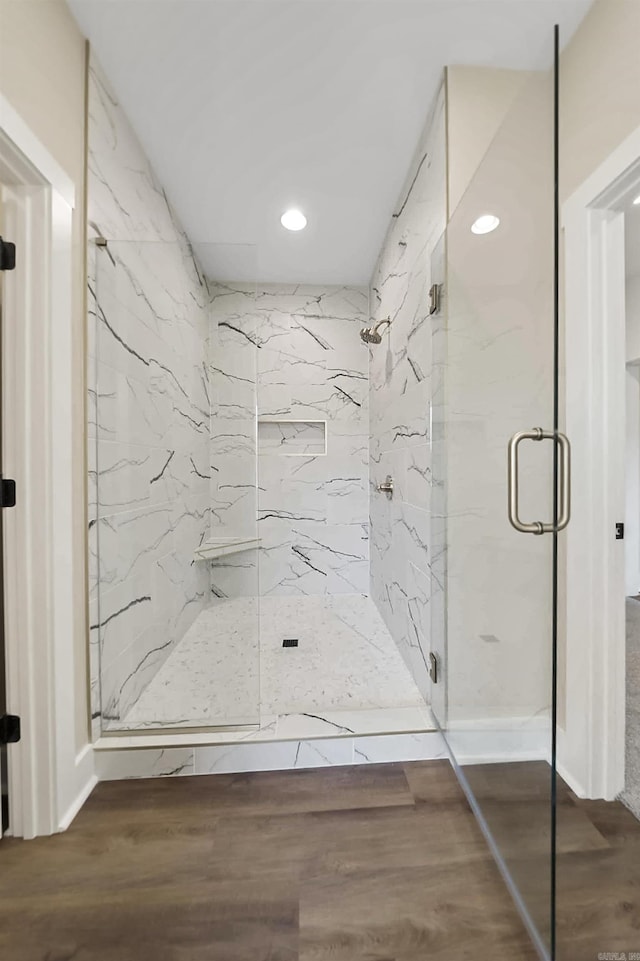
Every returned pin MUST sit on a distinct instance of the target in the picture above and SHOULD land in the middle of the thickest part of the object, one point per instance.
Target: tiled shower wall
(148, 328)
(302, 348)
(402, 392)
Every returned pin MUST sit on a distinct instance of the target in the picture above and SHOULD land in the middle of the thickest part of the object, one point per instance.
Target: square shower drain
(290, 642)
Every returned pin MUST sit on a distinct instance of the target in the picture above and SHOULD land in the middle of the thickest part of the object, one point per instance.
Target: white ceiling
(247, 107)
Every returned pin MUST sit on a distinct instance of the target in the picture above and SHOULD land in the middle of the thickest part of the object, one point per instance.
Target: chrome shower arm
(381, 323)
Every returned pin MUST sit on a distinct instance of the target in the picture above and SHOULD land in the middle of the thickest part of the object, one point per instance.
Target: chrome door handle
(538, 527)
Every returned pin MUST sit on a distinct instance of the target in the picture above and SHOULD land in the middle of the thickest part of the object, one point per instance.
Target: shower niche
(292, 438)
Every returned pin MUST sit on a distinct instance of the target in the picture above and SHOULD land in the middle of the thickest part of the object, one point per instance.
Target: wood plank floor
(370, 863)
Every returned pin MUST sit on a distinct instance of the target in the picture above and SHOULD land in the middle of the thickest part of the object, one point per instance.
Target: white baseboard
(87, 779)
(500, 740)
(571, 782)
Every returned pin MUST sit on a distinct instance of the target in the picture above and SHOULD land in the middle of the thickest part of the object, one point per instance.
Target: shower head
(372, 335)
(368, 337)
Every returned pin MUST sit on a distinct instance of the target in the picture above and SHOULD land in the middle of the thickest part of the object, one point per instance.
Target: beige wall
(42, 75)
(478, 100)
(599, 99)
(600, 89)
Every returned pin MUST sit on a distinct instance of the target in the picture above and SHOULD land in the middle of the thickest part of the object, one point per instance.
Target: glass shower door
(496, 526)
(174, 598)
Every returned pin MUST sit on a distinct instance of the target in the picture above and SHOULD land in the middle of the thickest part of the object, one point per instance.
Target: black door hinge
(7, 255)
(619, 532)
(7, 493)
(9, 729)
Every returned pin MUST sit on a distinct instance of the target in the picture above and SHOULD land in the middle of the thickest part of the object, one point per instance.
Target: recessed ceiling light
(293, 220)
(485, 224)
(636, 200)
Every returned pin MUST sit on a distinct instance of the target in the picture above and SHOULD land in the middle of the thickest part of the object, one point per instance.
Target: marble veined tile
(301, 348)
(405, 382)
(158, 762)
(286, 755)
(396, 747)
(349, 722)
(150, 401)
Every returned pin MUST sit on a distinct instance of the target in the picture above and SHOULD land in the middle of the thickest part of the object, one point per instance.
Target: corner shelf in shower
(221, 546)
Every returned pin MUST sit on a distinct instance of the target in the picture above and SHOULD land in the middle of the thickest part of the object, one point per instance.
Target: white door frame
(591, 744)
(48, 777)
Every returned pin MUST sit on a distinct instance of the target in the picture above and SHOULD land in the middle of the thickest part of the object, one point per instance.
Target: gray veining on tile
(148, 326)
(295, 354)
(402, 581)
(279, 755)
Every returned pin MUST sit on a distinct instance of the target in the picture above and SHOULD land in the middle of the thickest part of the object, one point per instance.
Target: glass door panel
(172, 469)
(497, 357)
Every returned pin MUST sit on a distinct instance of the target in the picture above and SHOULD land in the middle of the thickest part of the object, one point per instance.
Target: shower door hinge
(7, 255)
(433, 668)
(435, 296)
(9, 729)
(619, 532)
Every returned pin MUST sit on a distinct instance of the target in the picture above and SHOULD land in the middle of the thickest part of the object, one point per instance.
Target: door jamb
(591, 744)
(49, 777)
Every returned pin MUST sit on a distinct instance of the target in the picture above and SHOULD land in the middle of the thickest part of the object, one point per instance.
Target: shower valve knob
(386, 487)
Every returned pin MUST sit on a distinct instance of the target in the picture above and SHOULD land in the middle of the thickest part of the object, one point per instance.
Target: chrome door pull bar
(538, 527)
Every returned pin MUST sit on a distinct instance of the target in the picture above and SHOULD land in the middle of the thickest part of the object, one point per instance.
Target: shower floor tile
(345, 676)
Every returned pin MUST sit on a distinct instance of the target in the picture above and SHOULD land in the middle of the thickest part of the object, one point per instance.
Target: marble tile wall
(273, 756)
(295, 354)
(149, 407)
(403, 384)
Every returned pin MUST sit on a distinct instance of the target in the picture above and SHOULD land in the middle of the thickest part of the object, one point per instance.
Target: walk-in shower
(232, 505)
(247, 560)
(230, 446)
